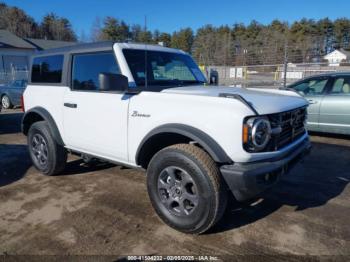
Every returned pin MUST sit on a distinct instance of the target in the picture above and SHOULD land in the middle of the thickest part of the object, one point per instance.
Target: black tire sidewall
(203, 214)
(43, 129)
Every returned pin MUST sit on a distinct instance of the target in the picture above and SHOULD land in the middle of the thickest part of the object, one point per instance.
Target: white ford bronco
(149, 107)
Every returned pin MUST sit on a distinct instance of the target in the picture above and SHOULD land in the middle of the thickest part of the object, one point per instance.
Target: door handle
(312, 101)
(71, 105)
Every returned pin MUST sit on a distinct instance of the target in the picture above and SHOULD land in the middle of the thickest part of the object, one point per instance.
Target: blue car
(11, 93)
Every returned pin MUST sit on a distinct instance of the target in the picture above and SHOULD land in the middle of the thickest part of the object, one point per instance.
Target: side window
(312, 87)
(341, 85)
(87, 67)
(47, 69)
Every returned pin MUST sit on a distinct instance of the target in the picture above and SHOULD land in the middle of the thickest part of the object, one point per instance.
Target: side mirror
(113, 82)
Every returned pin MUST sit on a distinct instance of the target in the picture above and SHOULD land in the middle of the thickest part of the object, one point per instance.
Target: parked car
(0, 102)
(11, 93)
(146, 107)
(329, 99)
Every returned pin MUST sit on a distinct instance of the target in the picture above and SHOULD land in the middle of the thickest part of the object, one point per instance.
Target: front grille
(292, 124)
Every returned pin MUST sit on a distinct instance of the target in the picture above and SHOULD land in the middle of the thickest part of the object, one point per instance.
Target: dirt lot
(105, 209)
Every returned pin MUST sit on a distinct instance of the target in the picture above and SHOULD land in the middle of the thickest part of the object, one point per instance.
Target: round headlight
(260, 132)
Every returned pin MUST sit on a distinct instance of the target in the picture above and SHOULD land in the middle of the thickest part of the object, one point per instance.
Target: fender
(27, 120)
(203, 139)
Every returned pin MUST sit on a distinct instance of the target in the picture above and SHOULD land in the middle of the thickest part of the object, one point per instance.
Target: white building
(335, 57)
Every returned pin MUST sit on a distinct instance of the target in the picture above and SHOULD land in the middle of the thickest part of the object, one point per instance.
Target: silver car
(329, 98)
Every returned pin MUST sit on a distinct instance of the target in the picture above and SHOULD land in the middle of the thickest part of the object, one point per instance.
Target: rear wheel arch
(47, 155)
(171, 134)
(40, 114)
(3, 94)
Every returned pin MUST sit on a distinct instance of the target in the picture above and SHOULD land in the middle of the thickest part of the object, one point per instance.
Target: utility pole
(225, 54)
(146, 64)
(285, 66)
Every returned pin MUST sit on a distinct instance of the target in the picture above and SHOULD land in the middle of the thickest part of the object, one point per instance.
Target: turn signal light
(245, 133)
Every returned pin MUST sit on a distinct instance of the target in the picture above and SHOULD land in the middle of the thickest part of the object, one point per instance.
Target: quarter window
(47, 69)
(87, 67)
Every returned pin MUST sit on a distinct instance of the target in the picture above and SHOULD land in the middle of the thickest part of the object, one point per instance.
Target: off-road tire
(56, 154)
(211, 189)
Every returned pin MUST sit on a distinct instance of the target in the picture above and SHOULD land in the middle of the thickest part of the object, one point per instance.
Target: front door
(313, 89)
(95, 122)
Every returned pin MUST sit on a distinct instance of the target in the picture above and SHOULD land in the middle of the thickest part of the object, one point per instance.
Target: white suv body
(130, 126)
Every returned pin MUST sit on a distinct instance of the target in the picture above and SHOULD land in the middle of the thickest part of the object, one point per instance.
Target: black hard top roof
(104, 46)
(97, 46)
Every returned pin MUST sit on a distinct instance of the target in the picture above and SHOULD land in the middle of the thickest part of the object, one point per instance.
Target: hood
(264, 101)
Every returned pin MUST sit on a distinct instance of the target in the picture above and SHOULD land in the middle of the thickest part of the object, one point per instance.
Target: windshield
(163, 69)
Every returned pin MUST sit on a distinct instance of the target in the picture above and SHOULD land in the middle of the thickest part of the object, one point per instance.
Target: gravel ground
(104, 210)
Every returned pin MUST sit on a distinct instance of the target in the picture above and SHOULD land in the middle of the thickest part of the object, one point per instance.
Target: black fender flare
(203, 139)
(46, 116)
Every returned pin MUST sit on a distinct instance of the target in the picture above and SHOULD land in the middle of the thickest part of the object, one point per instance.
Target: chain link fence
(272, 76)
(7, 77)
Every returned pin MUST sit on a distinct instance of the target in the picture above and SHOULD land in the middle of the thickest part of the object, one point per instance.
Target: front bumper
(246, 180)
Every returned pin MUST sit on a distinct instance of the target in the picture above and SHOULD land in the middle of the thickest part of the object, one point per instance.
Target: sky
(169, 16)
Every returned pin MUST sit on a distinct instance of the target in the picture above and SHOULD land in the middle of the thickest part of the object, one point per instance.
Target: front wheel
(6, 102)
(186, 189)
(47, 155)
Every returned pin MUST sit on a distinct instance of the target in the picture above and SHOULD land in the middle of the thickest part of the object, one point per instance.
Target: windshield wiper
(177, 82)
(188, 82)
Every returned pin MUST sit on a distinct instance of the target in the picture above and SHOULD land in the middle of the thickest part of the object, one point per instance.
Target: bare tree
(96, 30)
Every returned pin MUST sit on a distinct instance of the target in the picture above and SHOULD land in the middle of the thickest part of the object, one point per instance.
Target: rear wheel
(6, 102)
(186, 189)
(47, 155)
